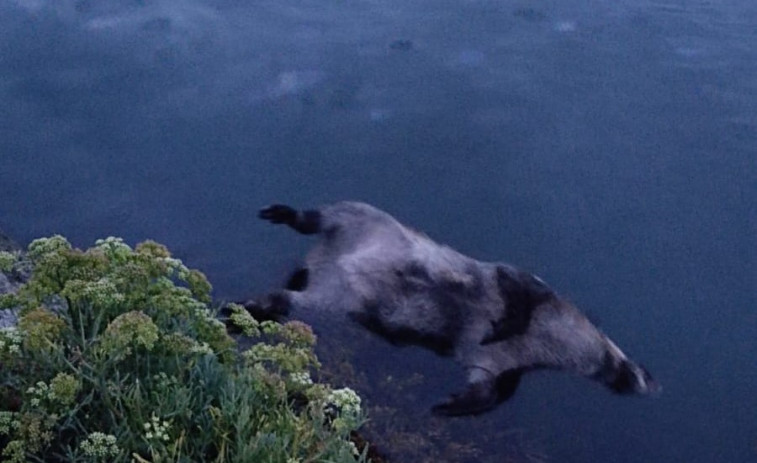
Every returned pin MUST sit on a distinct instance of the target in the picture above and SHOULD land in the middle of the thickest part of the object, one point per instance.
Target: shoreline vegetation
(116, 354)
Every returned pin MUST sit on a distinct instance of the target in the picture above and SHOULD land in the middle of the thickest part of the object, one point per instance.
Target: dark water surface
(611, 147)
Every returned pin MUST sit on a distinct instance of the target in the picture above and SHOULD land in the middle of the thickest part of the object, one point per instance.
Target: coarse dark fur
(495, 320)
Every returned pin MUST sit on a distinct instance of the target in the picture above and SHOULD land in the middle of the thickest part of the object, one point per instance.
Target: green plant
(117, 356)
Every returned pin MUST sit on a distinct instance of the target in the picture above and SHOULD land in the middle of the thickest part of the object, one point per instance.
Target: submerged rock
(401, 45)
(529, 14)
(7, 244)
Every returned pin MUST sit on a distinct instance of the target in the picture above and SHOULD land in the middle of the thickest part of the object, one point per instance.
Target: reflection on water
(607, 146)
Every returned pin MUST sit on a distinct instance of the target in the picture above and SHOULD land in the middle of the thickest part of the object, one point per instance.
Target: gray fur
(495, 320)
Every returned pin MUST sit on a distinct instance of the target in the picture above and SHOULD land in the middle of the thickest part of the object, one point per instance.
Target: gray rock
(7, 244)
(8, 317)
(10, 281)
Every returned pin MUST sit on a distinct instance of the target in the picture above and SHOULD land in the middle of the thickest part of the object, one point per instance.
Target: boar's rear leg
(479, 396)
(305, 222)
(484, 392)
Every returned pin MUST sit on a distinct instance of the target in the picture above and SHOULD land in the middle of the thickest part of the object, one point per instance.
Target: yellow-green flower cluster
(41, 328)
(131, 329)
(176, 301)
(201, 348)
(8, 422)
(286, 358)
(347, 402)
(299, 334)
(64, 388)
(175, 267)
(39, 393)
(59, 394)
(42, 247)
(101, 293)
(177, 343)
(270, 328)
(35, 430)
(7, 259)
(205, 315)
(244, 321)
(196, 280)
(152, 248)
(42, 394)
(180, 344)
(301, 378)
(172, 268)
(213, 331)
(114, 248)
(99, 445)
(157, 430)
(199, 285)
(10, 341)
(293, 355)
(14, 452)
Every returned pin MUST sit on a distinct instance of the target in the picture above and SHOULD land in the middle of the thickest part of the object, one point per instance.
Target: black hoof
(478, 398)
(278, 213)
(456, 406)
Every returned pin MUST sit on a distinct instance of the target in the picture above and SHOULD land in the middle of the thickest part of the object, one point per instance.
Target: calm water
(611, 147)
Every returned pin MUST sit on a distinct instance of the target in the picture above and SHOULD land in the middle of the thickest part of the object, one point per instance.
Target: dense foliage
(117, 356)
